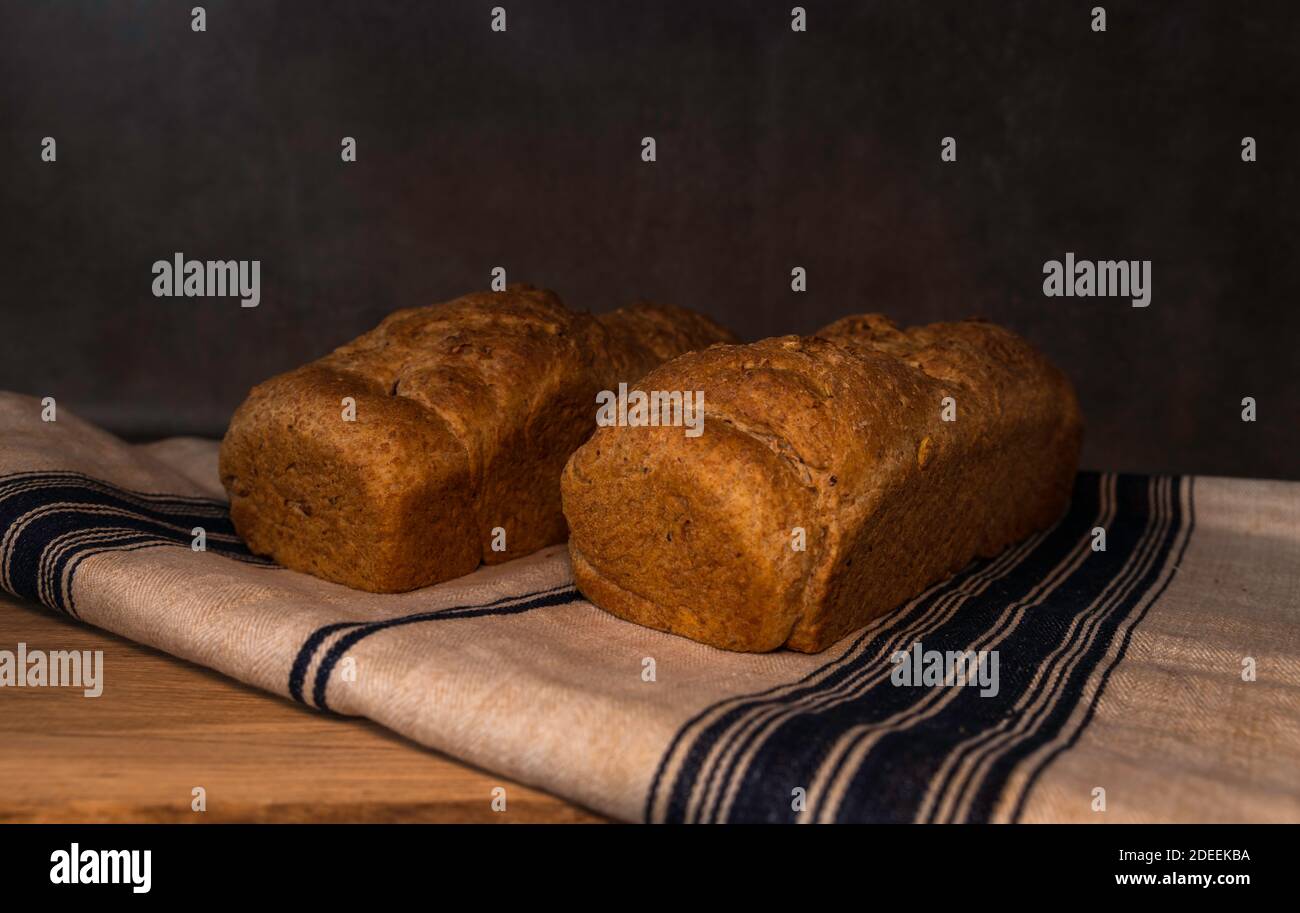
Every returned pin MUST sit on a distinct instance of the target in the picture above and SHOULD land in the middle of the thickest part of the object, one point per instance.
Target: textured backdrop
(775, 149)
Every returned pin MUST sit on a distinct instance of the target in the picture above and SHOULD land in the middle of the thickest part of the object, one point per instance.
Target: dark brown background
(776, 149)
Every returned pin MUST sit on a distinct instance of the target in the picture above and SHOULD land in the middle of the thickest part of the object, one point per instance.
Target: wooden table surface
(164, 726)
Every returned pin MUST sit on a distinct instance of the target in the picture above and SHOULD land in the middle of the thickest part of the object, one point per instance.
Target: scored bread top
(863, 379)
(465, 361)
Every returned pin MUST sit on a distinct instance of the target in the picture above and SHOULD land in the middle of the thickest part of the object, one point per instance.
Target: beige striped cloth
(1155, 679)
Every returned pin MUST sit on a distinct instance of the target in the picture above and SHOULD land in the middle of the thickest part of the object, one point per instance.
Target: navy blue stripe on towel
(800, 745)
(866, 750)
(50, 522)
(1139, 529)
(359, 630)
(1187, 515)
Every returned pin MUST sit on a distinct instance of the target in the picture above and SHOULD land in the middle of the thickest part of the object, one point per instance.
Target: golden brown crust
(841, 435)
(465, 413)
(642, 336)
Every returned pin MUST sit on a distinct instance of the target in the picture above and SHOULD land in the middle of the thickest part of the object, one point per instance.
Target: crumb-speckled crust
(465, 411)
(842, 435)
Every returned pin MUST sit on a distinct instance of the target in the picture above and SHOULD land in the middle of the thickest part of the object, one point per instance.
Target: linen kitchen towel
(1138, 662)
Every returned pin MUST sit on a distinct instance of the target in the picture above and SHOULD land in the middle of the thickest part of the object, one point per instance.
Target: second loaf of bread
(893, 457)
(436, 440)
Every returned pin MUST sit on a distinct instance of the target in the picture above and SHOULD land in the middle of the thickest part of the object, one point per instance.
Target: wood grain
(164, 726)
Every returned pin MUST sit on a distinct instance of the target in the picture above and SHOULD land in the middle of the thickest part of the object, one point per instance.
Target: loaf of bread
(836, 477)
(436, 440)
